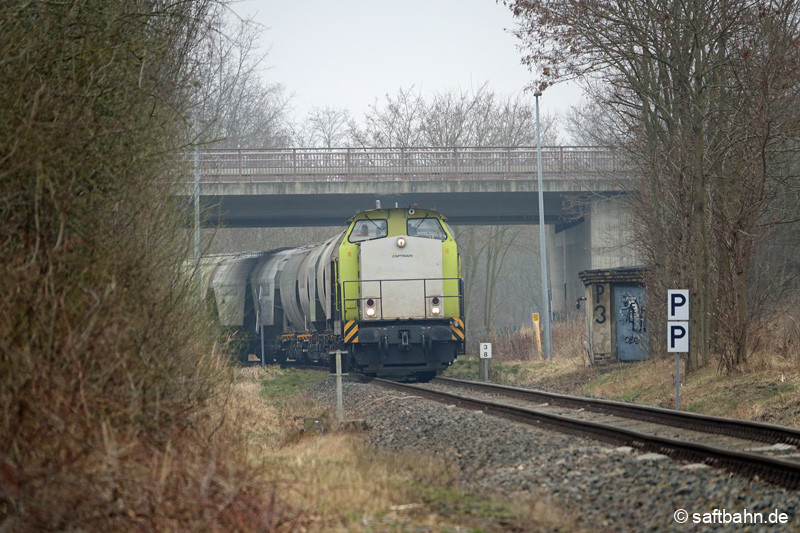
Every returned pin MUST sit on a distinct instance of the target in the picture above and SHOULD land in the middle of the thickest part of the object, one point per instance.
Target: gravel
(600, 487)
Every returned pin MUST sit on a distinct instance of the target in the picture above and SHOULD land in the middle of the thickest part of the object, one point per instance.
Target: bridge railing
(343, 164)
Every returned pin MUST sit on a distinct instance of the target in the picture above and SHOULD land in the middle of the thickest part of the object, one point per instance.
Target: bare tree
(237, 107)
(453, 119)
(326, 127)
(449, 118)
(588, 123)
(697, 88)
(397, 124)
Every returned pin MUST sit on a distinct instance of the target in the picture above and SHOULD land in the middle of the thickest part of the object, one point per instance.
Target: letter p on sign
(677, 304)
(678, 320)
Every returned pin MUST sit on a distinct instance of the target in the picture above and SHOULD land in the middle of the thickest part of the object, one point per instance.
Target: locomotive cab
(401, 292)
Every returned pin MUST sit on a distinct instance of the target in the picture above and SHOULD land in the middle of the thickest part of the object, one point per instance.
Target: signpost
(485, 361)
(339, 374)
(678, 332)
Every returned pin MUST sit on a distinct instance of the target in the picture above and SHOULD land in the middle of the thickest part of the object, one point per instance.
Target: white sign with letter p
(678, 337)
(678, 320)
(677, 304)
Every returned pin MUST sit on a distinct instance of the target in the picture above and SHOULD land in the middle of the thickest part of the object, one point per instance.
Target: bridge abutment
(604, 239)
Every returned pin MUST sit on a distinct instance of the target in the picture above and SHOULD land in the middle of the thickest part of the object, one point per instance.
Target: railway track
(753, 449)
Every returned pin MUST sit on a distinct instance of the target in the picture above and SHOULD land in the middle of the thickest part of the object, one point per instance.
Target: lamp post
(548, 342)
(196, 193)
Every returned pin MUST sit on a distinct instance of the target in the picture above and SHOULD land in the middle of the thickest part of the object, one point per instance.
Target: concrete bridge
(584, 194)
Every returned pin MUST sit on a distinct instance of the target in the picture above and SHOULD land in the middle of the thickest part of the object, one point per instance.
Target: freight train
(387, 292)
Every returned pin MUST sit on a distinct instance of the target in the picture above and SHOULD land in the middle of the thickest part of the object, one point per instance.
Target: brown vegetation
(520, 345)
(108, 394)
(704, 99)
(766, 388)
(335, 481)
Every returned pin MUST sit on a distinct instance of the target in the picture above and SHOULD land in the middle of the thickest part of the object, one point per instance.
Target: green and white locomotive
(387, 292)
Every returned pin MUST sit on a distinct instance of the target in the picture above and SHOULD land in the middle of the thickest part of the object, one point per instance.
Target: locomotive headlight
(401, 242)
(370, 312)
(435, 309)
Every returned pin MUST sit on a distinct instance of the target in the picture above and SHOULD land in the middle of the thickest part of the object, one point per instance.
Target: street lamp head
(537, 93)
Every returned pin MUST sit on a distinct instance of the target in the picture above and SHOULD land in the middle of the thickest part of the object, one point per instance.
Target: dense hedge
(108, 385)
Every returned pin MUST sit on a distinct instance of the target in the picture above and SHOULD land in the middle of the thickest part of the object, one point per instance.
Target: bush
(107, 385)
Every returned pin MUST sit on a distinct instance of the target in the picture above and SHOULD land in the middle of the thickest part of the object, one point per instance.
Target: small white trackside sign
(678, 320)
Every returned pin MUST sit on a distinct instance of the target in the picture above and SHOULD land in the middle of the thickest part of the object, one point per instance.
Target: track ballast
(680, 435)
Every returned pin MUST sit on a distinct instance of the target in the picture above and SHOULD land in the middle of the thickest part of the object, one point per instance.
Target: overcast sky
(347, 53)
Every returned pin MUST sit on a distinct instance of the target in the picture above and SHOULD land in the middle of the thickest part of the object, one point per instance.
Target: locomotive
(387, 293)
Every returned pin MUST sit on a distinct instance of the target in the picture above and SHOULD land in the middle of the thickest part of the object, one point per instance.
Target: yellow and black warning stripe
(351, 331)
(457, 326)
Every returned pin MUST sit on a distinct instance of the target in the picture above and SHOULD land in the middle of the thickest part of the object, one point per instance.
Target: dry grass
(336, 482)
(569, 338)
(776, 343)
(333, 480)
(190, 475)
(515, 358)
(766, 387)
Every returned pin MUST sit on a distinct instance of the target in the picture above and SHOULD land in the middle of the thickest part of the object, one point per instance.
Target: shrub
(106, 382)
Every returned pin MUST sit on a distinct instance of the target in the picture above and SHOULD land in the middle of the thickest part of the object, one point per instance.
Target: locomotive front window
(367, 229)
(429, 228)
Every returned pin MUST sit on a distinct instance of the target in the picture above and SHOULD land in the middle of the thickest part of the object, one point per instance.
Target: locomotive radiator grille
(351, 331)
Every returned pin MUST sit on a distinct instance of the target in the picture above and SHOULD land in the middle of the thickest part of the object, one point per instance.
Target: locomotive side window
(367, 229)
(429, 228)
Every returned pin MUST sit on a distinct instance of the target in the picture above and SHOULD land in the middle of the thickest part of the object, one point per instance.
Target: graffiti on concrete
(631, 315)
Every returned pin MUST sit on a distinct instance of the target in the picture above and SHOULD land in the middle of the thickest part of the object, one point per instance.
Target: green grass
(286, 382)
(485, 512)
(462, 368)
(453, 501)
(699, 406)
(606, 378)
(506, 371)
(630, 396)
(784, 388)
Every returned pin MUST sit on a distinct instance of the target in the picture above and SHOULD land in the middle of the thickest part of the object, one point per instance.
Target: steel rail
(732, 427)
(771, 469)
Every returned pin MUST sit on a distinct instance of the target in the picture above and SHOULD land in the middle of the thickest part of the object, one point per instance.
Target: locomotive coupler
(404, 339)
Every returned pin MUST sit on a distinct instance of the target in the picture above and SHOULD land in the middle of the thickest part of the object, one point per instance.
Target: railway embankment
(554, 481)
(766, 390)
(336, 479)
(413, 464)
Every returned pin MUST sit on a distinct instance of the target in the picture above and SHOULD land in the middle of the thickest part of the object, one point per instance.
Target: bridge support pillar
(571, 253)
(604, 239)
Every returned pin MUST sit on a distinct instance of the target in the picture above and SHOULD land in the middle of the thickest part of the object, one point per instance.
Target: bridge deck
(302, 186)
(335, 164)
